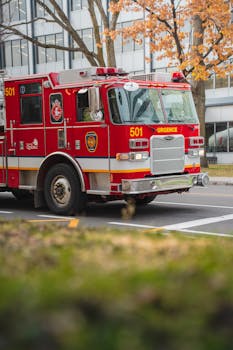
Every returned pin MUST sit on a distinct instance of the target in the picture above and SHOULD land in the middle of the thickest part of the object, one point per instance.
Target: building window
(219, 137)
(127, 45)
(15, 53)
(41, 11)
(210, 137)
(78, 4)
(30, 103)
(47, 55)
(87, 36)
(230, 136)
(14, 10)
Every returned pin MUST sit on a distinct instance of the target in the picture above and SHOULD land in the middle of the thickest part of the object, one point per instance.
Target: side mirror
(94, 99)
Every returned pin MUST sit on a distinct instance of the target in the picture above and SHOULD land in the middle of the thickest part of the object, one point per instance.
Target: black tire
(62, 190)
(21, 194)
(144, 201)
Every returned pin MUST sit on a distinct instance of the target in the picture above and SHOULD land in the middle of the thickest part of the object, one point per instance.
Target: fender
(58, 157)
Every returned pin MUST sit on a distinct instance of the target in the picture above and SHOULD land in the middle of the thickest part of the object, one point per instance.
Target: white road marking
(6, 212)
(56, 217)
(198, 222)
(157, 229)
(207, 233)
(128, 224)
(195, 205)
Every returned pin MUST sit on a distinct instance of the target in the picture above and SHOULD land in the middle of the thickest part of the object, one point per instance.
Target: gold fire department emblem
(91, 139)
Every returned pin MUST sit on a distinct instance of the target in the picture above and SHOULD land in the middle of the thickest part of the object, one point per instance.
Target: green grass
(107, 289)
(219, 170)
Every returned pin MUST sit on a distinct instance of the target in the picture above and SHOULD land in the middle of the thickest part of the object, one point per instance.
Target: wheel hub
(61, 190)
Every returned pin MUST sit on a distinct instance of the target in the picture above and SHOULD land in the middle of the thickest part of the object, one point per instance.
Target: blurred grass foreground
(225, 170)
(106, 289)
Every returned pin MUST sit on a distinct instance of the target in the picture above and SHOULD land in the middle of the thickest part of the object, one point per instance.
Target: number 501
(136, 131)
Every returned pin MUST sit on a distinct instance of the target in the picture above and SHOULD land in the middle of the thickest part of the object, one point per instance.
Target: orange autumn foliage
(196, 35)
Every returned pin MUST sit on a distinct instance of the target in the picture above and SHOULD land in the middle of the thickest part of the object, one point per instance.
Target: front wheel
(62, 190)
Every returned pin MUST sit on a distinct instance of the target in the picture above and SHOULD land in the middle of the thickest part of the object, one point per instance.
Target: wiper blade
(175, 121)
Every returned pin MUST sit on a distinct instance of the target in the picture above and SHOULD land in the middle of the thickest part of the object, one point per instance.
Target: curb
(221, 181)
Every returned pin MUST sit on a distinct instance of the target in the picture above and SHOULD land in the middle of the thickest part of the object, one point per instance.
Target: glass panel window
(230, 136)
(45, 55)
(77, 55)
(88, 38)
(24, 52)
(14, 10)
(118, 41)
(22, 9)
(60, 42)
(209, 84)
(221, 82)
(8, 54)
(41, 51)
(128, 44)
(50, 53)
(16, 53)
(210, 137)
(84, 4)
(76, 5)
(221, 137)
(40, 12)
(6, 13)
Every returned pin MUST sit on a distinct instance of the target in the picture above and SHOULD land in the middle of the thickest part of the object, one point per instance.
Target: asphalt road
(207, 210)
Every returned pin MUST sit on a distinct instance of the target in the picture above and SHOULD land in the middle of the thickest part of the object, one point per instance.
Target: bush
(108, 289)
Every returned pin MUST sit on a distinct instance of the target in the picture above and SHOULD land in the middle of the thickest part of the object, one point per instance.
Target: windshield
(151, 106)
(179, 106)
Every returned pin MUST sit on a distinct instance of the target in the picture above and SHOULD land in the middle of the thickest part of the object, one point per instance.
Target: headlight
(201, 152)
(193, 152)
(133, 156)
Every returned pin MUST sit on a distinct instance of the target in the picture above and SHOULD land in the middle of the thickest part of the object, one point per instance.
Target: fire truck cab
(96, 134)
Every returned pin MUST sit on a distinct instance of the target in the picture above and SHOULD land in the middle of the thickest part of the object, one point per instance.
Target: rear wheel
(144, 200)
(62, 190)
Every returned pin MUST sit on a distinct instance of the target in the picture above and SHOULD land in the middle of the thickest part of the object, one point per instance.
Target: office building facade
(20, 57)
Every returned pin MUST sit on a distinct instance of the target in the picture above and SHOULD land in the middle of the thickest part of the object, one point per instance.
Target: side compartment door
(28, 133)
(2, 161)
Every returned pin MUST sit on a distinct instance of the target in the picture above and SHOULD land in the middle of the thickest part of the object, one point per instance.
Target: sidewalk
(219, 180)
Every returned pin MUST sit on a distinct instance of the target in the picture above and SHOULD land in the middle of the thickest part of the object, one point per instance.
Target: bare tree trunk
(111, 58)
(198, 86)
(198, 90)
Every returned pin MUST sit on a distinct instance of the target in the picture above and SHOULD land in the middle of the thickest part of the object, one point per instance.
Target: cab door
(73, 130)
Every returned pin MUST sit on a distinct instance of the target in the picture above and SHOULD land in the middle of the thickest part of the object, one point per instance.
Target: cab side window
(82, 106)
(30, 103)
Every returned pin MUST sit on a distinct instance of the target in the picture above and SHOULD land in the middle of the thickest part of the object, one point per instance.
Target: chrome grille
(167, 154)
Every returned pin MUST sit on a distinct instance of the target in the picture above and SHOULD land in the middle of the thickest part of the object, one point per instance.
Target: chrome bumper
(163, 183)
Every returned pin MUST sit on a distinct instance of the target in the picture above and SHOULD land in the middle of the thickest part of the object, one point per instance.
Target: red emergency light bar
(104, 71)
(177, 77)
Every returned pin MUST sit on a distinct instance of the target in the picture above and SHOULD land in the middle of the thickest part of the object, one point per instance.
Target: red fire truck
(97, 134)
